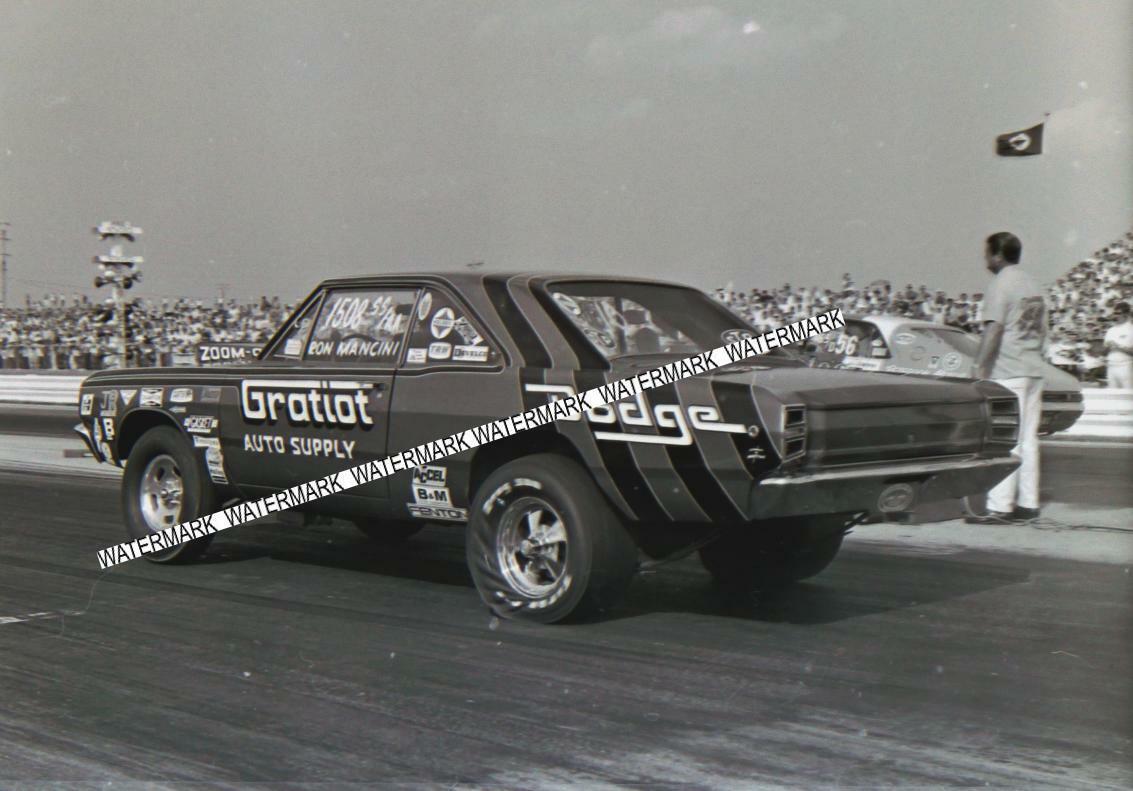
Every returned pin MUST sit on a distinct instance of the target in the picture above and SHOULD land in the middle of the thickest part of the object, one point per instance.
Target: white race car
(909, 346)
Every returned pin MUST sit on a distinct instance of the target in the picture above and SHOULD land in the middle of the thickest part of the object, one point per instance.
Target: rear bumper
(862, 487)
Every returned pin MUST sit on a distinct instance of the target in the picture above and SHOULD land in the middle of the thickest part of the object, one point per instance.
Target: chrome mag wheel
(161, 492)
(531, 547)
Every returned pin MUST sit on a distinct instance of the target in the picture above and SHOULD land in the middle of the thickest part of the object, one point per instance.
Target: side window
(362, 326)
(444, 333)
(290, 346)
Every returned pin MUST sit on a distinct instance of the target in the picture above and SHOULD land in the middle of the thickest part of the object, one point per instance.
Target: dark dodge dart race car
(762, 466)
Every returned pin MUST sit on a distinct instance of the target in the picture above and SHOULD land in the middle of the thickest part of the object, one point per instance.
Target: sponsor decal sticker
(471, 354)
(566, 408)
(151, 396)
(424, 306)
(902, 339)
(313, 402)
(429, 475)
(226, 352)
(200, 424)
(109, 403)
(108, 428)
(86, 404)
(952, 361)
(466, 331)
(214, 458)
(731, 336)
(637, 413)
(127, 396)
(444, 513)
(293, 346)
(442, 323)
(317, 447)
(568, 303)
(181, 395)
(440, 350)
(210, 395)
(417, 356)
(430, 494)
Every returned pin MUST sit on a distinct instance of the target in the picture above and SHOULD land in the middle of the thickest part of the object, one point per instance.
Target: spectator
(1119, 344)
(1015, 331)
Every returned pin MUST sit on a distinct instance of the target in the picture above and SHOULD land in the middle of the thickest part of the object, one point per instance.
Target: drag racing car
(761, 466)
(909, 346)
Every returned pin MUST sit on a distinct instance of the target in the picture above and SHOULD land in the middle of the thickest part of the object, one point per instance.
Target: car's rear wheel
(544, 545)
(163, 486)
(387, 533)
(770, 555)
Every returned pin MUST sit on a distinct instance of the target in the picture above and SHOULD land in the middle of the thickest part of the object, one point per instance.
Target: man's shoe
(991, 518)
(1025, 514)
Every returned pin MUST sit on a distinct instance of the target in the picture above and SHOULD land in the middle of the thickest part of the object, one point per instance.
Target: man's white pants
(1120, 376)
(1021, 488)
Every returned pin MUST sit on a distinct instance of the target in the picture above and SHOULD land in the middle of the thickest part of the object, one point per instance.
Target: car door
(322, 403)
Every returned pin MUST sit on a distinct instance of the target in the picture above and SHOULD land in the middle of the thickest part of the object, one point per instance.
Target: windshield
(643, 318)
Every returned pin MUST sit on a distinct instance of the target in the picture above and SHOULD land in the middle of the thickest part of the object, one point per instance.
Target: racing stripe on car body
(651, 458)
(692, 468)
(721, 458)
(560, 353)
(736, 403)
(526, 339)
(617, 461)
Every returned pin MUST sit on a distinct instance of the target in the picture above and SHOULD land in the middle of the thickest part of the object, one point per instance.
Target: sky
(263, 146)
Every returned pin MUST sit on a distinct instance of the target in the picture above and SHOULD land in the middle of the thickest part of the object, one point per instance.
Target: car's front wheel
(766, 556)
(163, 486)
(544, 545)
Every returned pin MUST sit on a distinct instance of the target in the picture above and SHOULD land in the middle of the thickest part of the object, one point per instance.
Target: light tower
(4, 226)
(119, 271)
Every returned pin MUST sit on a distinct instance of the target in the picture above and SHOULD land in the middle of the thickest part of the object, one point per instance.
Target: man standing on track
(1119, 344)
(1011, 352)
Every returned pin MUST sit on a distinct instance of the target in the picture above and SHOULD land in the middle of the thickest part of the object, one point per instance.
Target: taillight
(1003, 422)
(792, 434)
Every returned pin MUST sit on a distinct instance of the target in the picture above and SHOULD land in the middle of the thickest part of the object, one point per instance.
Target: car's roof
(465, 278)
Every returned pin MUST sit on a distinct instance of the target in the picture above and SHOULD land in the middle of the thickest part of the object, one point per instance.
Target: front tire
(164, 485)
(544, 545)
(771, 555)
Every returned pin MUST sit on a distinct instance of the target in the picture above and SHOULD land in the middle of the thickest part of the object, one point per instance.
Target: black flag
(1020, 144)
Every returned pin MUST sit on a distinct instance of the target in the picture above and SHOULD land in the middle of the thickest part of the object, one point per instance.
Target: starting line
(559, 409)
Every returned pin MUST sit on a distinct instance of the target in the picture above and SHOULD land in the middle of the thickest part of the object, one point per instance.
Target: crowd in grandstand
(57, 332)
(1082, 306)
(60, 333)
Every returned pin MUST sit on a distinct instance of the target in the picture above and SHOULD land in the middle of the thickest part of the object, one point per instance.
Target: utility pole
(4, 226)
(119, 271)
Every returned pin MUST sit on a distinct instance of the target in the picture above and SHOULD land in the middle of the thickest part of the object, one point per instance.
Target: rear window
(621, 318)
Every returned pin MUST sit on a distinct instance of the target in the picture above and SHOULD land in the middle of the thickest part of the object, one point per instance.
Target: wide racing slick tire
(768, 556)
(163, 485)
(387, 533)
(544, 545)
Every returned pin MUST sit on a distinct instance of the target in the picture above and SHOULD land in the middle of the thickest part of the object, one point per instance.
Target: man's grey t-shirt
(1016, 301)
